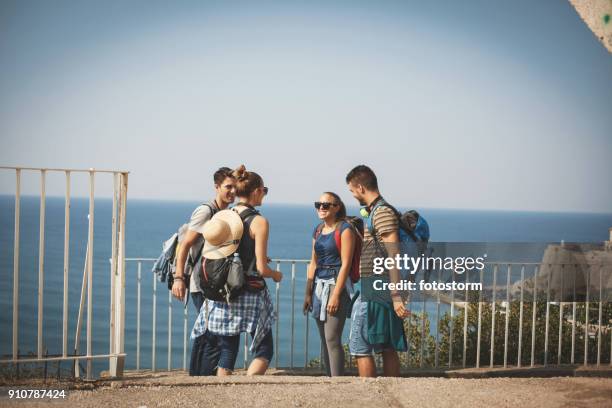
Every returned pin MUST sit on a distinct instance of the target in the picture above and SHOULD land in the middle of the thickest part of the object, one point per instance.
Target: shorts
(204, 355)
(229, 349)
(358, 335)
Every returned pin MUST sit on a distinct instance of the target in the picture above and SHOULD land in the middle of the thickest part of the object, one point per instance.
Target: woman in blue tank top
(328, 285)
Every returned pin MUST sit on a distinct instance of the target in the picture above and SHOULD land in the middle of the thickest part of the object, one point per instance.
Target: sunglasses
(265, 190)
(324, 206)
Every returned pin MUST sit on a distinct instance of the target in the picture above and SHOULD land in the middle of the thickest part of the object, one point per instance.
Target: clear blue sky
(482, 104)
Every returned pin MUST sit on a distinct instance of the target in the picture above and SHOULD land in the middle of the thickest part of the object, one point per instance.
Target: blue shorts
(358, 336)
(228, 346)
(204, 355)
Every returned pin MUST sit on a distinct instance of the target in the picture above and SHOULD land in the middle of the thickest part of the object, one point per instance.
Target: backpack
(356, 224)
(165, 265)
(413, 230)
(225, 279)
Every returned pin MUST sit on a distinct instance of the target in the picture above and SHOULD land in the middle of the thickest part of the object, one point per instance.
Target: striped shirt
(385, 221)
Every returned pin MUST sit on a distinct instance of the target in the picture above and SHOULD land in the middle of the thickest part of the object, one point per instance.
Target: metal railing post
(16, 266)
(465, 319)
(66, 267)
(77, 336)
(118, 361)
(277, 288)
(437, 350)
(185, 336)
(113, 272)
(600, 302)
(307, 327)
(493, 315)
(520, 332)
(547, 316)
(560, 340)
(292, 313)
(90, 276)
(154, 325)
(422, 352)
(587, 306)
(423, 312)
(508, 272)
(599, 321)
(41, 263)
(479, 322)
(574, 316)
(534, 312)
(408, 329)
(451, 328)
(169, 330)
(138, 290)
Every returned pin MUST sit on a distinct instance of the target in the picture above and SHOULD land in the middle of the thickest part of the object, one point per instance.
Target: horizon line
(191, 201)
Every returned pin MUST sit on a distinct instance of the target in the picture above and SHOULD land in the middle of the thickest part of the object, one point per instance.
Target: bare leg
(222, 372)
(258, 366)
(391, 363)
(366, 366)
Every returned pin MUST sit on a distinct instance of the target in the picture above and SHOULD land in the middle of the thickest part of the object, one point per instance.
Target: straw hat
(222, 234)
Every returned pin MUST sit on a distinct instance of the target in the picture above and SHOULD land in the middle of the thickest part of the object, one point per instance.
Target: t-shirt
(198, 219)
(385, 221)
(327, 251)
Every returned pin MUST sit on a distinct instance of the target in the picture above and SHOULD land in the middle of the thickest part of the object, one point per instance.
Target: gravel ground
(295, 391)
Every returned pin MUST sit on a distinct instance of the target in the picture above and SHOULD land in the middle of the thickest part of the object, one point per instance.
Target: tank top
(246, 250)
(329, 259)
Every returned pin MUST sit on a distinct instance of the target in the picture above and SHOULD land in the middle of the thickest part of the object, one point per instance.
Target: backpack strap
(398, 215)
(337, 235)
(338, 239)
(246, 215)
(213, 208)
(370, 219)
(370, 225)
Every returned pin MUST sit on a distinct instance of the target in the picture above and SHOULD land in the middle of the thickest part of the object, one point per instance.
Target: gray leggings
(330, 332)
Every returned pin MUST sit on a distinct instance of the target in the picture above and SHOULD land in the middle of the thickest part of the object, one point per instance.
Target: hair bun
(241, 173)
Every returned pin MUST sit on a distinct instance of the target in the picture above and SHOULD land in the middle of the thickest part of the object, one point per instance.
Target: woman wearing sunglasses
(328, 285)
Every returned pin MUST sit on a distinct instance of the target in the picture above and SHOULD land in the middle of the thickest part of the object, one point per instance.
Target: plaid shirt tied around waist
(251, 311)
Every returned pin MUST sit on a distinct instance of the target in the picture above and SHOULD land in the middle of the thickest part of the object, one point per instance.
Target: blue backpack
(413, 229)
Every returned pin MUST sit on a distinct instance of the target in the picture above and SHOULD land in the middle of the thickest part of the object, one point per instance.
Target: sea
(150, 222)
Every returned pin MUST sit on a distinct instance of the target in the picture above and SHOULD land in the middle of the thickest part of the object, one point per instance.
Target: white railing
(499, 309)
(116, 354)
(185, 321)
(117, 325)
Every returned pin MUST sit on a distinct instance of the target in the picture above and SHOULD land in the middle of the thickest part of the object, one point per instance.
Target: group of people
(331, 296)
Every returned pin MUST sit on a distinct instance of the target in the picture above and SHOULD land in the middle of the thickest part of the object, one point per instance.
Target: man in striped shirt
(376, 325)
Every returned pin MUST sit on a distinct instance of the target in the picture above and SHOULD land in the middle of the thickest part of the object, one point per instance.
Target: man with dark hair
(204, 352)
(376, 324)
(363, 175)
